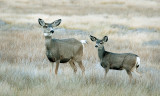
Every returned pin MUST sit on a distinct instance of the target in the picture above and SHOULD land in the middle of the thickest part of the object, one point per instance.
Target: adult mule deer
(61, 50)
(108, 60)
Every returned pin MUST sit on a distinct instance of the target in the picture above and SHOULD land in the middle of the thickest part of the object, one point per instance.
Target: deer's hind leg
(82, 67)
(136, 72)
(130, 75)
(73, 66)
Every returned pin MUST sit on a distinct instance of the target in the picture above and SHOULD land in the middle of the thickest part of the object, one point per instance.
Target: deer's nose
(52, 31)
(96, 45)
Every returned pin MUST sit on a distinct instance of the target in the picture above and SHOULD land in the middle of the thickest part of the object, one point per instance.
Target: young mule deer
(61, 50)
(108, 60)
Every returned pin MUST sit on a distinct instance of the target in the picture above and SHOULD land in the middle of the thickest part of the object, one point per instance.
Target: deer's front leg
(57, 65)
(106, 66)
(51, 67)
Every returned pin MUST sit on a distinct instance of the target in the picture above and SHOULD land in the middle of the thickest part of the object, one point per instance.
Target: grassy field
(131, 25)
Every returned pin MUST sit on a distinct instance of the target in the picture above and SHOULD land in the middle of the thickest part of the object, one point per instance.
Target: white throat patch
(47, 34)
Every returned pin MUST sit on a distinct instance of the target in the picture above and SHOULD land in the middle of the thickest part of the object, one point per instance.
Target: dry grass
(24, 69)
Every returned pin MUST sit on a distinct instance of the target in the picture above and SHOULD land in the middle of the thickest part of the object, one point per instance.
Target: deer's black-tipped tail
(137, 66)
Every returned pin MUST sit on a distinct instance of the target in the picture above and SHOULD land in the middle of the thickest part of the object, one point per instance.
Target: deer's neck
(101, 52)
(48, 40)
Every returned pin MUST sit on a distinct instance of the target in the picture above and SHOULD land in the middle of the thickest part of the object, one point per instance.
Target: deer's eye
(101, 42)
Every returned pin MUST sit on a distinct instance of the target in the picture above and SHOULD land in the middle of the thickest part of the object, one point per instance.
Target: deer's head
(49, 27)
(99, 42)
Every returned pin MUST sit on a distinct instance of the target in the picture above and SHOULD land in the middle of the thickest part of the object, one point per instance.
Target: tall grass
(24, 68)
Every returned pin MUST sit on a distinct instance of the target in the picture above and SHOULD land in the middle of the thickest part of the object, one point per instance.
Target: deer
(61, 50)
(116, 61)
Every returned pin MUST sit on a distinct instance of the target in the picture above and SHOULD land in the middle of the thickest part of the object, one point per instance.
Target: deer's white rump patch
(138, 61)
(83, 41)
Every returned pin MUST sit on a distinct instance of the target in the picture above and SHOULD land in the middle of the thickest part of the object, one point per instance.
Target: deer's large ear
(105, 38)
(41, 22)
(93, 38)
(56, 23)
